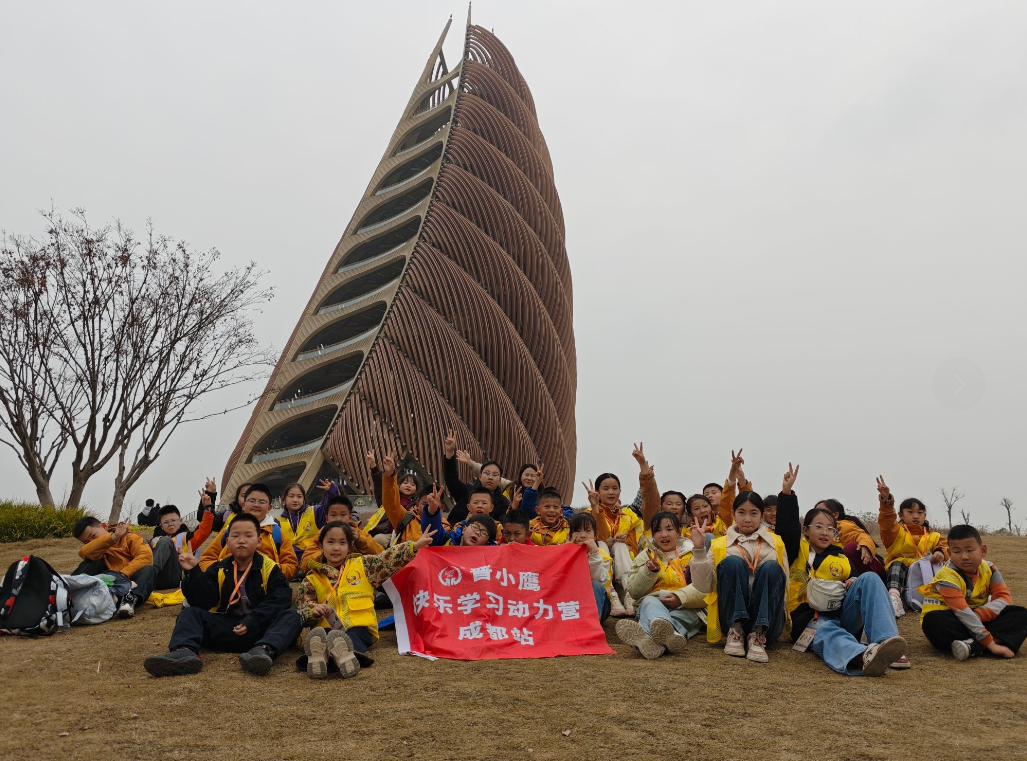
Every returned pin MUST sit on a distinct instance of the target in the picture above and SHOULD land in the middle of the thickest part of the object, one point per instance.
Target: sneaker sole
(735, 651)
(340, 649)
(259, 665)
(889, 651)
(961, 650)
(630, 632)
(122, 614)
(316, 648)
(664, 633)
(160, 665)
(900, 665)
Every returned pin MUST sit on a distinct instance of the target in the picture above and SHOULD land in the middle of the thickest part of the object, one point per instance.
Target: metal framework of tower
(446, 304)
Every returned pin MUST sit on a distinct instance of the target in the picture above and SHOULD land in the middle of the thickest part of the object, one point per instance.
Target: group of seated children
(747, 569)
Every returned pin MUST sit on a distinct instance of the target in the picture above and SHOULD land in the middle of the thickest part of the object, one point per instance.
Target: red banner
(512, 601)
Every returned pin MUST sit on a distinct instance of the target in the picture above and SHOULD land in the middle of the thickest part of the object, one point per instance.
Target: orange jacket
(396, 512)
(125, 556)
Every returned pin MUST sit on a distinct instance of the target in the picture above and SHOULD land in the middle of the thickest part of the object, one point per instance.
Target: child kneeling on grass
(241, 604)
(668, 607)
(336, 598)
(967, 606)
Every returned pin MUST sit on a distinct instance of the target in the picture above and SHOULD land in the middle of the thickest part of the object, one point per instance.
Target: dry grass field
(90, 684)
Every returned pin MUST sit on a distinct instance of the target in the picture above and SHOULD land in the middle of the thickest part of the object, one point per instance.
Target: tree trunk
(117, 505)
(44, 496)
(78, 485)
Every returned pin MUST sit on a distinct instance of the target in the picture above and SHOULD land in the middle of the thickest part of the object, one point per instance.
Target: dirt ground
(90, 683)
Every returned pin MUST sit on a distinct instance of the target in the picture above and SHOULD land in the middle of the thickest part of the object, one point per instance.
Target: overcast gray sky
(797, 228)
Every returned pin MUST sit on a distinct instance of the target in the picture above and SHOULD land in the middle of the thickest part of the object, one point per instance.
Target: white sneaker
(735, 644)
(896, 603)
(629, 604)
(757, 648)
(878, 656)
(664, 633)
(962, 649)
(630, 632)
(616, 608)
(126, 609)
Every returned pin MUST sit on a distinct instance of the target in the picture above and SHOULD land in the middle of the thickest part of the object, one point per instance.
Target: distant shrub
(20, 521)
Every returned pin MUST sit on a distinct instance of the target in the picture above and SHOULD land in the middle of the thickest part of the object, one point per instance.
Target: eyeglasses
(474, 532)
(257, 502)
(170, 521)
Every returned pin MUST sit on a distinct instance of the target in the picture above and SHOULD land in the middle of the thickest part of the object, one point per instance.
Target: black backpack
(34, 599)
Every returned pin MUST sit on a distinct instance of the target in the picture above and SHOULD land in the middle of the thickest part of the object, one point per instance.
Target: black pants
(196, 629)
(165, 563)
(942, 628)
(143, 578)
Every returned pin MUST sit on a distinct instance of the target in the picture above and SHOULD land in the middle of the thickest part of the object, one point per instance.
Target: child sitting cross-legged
(550, 527)
(967, 606)
(583, 530)
(668, 607)
(336, 599)
(176, 535)
(516, 527)
(240, 604)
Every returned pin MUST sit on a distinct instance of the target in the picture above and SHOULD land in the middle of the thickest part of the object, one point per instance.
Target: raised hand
(789, 479)
(211, 486)
(699, 533)
(652, 562)
(389, 464)
(462, 455)
(449, 443)
(425, 540)
(205, 497)
(735, 473)
(369, 459)
(434, 499)
(120, 530)
(518, 495)
(539, 476)
(882, 488)
(187, 559)
(639, 454)
(324, 484)
(593, 495)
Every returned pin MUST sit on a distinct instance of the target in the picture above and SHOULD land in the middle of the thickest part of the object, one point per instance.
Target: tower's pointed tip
(468, 13)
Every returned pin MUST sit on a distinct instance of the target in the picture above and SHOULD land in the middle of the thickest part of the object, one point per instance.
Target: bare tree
(138, 332)
(1007, 503)
(965, 515)
(950, 498)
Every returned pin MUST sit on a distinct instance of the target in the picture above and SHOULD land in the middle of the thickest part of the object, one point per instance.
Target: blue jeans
(866, 607)
(762, 605)
(685, 620)
(602, 600)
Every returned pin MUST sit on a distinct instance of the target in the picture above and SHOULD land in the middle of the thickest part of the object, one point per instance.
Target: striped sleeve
(1000, 597)
(953, 597)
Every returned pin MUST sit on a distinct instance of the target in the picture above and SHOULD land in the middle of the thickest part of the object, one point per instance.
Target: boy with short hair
(118, 549)
(967, 606)
(173, 537)
(339, 508)
(550, 527)
(242, 604)
(516, 527)
(583, 530)
(479, 503)
(273, 542)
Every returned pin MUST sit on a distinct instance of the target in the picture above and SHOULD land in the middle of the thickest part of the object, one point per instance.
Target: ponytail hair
(834, 506)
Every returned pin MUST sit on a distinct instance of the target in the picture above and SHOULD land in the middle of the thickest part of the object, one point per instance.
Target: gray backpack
(91, 600)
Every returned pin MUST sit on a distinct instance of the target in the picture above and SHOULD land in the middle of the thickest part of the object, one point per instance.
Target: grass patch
(20, 521)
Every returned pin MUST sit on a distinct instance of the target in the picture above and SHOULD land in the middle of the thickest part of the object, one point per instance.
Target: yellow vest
(672, 572)
(906, 549)
(719, 550)
(306, 532)
(353, 600)
(977, 596)
(832, 568)
(542, 537)
(266, 564)
(374, 520)
(719, 529)
(608, 581)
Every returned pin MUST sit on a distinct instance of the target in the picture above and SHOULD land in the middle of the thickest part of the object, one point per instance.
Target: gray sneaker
(256, 661)
(176, 663)
(963, 649)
